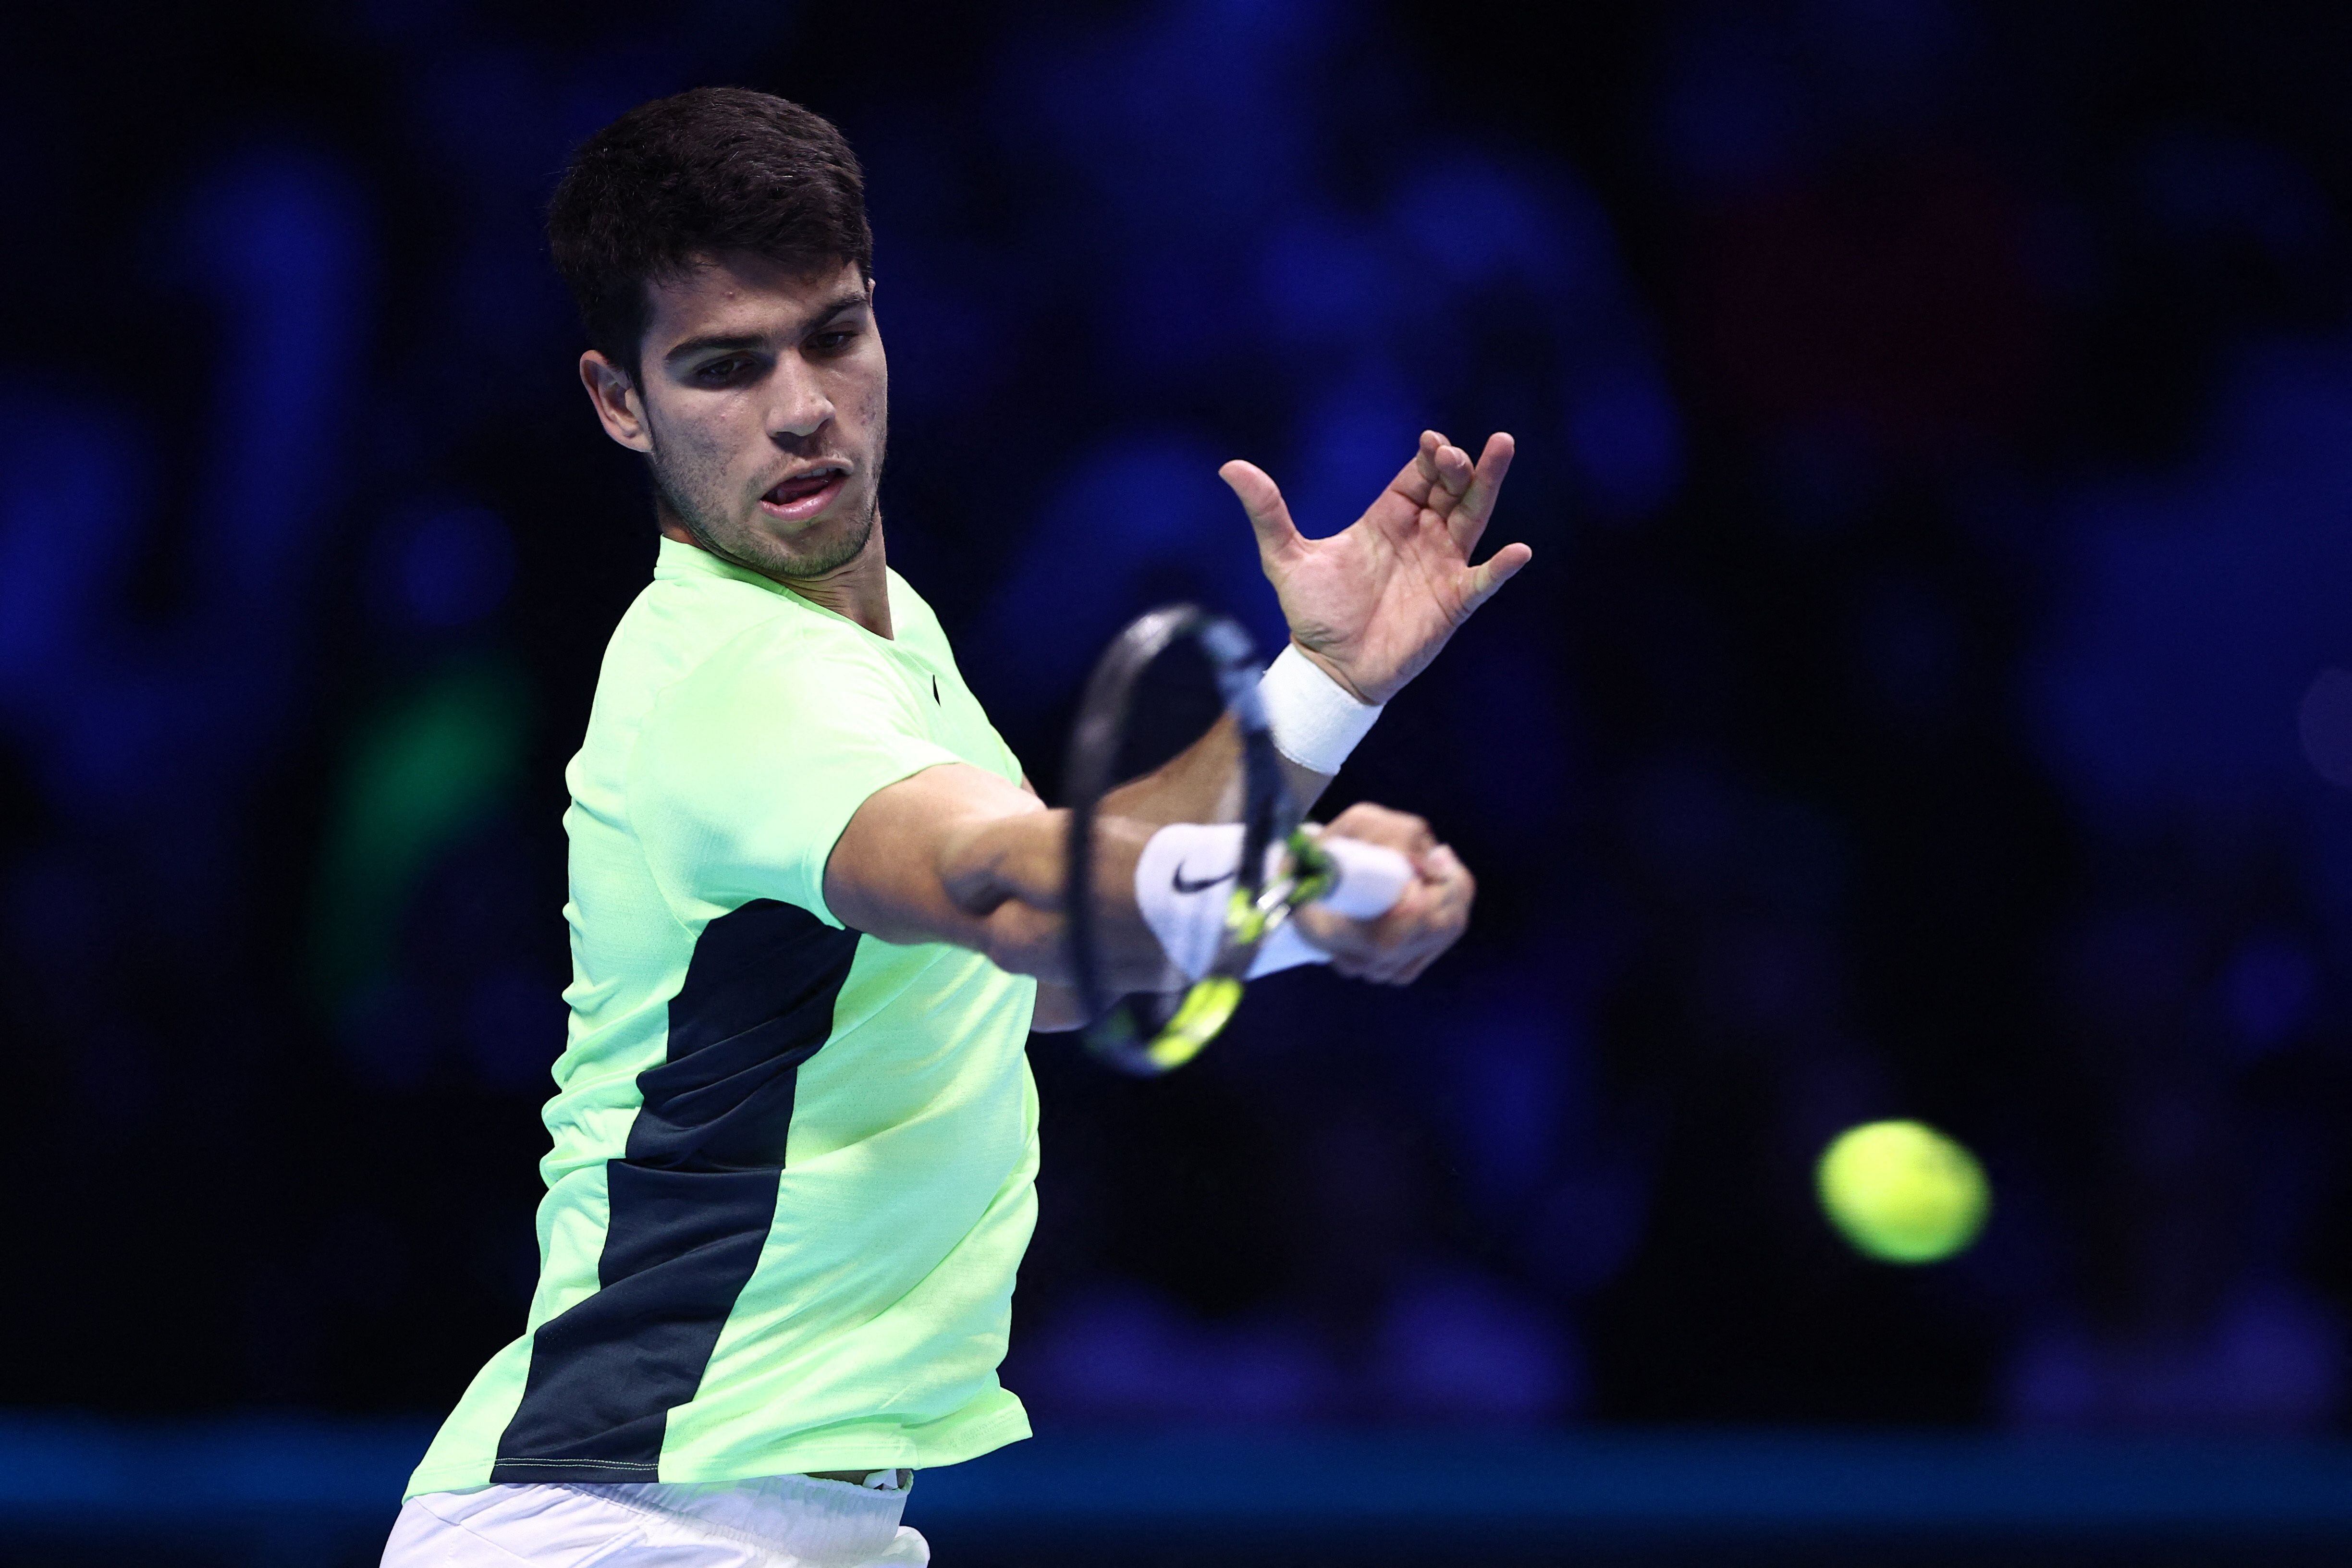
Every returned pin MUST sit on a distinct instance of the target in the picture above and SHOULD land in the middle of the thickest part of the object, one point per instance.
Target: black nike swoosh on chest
(1183, 886)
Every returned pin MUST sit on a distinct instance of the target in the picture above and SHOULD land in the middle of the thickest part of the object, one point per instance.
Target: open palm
(1374, 602)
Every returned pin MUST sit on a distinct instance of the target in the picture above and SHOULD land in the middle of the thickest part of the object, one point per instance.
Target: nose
(800, 407)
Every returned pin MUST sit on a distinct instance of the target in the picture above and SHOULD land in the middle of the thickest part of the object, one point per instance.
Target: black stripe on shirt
(691, 1203)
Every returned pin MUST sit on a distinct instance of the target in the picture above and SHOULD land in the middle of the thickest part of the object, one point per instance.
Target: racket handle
(1371, 880)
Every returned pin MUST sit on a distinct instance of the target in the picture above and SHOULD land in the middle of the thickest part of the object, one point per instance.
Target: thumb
(1261, 497)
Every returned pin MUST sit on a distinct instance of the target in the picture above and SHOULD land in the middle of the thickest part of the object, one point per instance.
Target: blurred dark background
(1932, 695)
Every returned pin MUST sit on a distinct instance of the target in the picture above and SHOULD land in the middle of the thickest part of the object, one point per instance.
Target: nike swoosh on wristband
(1182, 886)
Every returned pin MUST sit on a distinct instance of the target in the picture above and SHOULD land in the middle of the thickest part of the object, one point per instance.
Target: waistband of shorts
(801, 1515)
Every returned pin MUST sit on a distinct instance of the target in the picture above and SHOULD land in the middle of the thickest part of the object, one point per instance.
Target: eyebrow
(724, 342)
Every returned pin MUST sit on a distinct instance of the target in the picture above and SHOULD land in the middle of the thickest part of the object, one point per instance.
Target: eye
(833, 341)
(724, 372)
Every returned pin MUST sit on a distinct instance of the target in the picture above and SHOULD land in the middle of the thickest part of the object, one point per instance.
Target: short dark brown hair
(683, 178)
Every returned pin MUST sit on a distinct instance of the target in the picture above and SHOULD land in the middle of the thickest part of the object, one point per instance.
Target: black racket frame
(1120, 1029)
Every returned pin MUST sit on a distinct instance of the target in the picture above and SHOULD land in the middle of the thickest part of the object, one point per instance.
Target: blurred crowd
(1932, 694)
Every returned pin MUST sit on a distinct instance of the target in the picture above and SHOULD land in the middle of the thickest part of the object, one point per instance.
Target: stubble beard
(763, 553)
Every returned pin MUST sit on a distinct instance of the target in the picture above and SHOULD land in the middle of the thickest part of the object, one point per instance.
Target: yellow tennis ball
(1902, 1191)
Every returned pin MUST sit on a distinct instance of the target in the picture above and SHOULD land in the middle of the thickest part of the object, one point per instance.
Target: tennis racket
(1144, 1035)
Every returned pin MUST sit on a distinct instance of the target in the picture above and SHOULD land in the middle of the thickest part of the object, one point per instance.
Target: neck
(858, 589)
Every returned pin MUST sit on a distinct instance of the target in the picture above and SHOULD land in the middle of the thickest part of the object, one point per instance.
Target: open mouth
(804, 495)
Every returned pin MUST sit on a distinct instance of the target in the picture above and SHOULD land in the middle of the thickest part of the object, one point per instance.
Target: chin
(822, 547)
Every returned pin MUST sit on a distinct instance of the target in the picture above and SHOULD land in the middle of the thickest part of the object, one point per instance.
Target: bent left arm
(1371, 605)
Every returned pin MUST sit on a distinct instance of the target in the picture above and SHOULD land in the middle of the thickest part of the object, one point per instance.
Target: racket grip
(1370, 879)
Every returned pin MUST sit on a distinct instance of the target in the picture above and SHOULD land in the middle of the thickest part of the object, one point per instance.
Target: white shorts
(776, 1521)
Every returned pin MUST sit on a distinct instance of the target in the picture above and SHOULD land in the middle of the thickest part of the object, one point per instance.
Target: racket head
(1136, 1036)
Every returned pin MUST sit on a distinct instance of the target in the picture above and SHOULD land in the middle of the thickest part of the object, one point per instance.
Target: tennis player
(815, 906)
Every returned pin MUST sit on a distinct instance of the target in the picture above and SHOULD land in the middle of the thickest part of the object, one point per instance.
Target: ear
(618, 408)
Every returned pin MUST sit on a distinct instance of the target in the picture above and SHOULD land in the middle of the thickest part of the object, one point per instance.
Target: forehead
(739, 294)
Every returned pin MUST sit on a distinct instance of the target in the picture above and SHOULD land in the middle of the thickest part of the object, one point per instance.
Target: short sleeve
(748, 768)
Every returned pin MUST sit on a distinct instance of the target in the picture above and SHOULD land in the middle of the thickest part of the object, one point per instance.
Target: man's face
(763, 402)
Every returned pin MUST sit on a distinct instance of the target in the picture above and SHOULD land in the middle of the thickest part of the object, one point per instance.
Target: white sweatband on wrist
(1184, 879)
(1182, 882)
(1315, 723)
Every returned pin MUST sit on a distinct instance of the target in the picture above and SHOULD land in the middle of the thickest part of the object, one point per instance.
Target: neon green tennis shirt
(792, 1165)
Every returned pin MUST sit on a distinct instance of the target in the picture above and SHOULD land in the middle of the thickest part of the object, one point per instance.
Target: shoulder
(789, 678)
(677, 624)
(799, 647)
(913, 619)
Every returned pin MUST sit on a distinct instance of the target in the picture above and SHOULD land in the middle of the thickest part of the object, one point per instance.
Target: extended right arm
(956, 854)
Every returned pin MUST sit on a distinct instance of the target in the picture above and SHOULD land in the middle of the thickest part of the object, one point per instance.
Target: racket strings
(1259, 904)
(1307, 874)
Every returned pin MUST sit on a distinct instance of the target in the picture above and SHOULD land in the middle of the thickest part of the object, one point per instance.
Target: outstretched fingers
(1480, 488)
(1441, 471)
(1261, 497)
(1454, 475)
(1440, 481)
(1480, 581)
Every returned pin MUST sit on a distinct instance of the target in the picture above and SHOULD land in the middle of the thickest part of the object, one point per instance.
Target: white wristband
(1185, 878)
(1182, 882)
(1315, 723)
